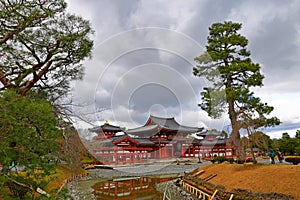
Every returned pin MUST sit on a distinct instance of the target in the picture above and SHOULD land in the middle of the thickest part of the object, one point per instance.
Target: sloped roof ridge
(164, 118)
(143, 128)
(161, 117)
(103, 125)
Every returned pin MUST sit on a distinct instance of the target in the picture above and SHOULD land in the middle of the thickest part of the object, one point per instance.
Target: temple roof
(163, 122)
(209, 133)
(143, 141)
(106, 128)
(172, 124)
(149, 130)
(156, 124)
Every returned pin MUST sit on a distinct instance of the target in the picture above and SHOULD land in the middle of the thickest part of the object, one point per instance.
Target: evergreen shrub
(220, 159)
(293, 159)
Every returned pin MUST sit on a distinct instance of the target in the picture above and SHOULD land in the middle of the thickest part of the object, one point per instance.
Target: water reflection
(129, 188)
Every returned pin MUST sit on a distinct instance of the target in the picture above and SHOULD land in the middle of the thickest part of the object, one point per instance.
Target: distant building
(159, 138)
(256, 152)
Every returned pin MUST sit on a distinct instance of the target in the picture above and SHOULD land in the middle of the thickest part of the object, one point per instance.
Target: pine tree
(227, 64)
(41, 46)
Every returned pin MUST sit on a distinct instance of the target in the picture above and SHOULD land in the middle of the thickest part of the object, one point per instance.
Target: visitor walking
(280, 156)
(272, 157)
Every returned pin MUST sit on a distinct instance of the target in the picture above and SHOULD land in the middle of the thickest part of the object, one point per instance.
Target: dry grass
(260, 178)
(63, 172)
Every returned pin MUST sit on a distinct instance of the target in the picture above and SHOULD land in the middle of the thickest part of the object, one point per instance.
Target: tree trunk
(238, 149)
(251, 146)
(235, 134)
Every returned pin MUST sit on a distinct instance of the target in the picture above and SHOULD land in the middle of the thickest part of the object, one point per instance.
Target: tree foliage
(29, 140)
(261, 141)
(258, 140)
(227, 64)
(288, 145)
(41, 50)
(41, 45)
(298, 134)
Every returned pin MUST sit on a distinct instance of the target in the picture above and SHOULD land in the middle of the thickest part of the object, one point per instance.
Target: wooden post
(214, 194)
(109, 187)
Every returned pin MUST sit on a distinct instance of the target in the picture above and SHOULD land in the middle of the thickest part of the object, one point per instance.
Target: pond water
(129, 188)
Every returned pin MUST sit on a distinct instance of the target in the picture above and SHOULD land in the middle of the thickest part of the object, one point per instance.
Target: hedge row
(292, 159)
(220, 159)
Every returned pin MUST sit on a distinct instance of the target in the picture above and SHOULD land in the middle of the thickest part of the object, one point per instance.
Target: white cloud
(278, 134)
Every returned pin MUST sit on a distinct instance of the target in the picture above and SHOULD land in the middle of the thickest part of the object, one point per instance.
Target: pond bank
(83, 188)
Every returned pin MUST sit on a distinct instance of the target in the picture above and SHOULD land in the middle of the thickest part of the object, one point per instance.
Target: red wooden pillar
(182, 151)
(124, 157)
(102, 158)
(95, 160)
(131, 158)
(159, 151)
(108, 159)
(141, 156)
(135, 156)
(128, 156)
(147, 156)
(116, 156)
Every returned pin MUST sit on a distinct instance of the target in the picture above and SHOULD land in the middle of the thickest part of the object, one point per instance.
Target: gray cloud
(137, 70)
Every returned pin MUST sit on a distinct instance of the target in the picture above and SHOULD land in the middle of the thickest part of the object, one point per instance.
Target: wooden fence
(199, 193)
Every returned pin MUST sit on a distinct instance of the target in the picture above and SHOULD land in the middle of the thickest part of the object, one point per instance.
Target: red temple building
(159, 138)
(106, 131)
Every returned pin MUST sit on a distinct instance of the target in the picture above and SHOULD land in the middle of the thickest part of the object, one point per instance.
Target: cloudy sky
(144, 50)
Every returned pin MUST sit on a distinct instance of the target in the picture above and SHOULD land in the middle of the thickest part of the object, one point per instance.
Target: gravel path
(146, 170)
